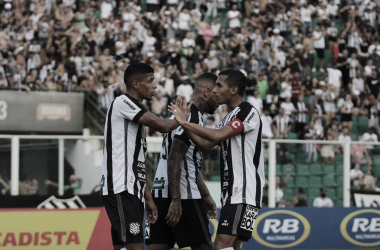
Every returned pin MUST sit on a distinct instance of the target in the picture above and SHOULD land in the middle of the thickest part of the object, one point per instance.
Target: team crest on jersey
(248, 220)
(134, 228)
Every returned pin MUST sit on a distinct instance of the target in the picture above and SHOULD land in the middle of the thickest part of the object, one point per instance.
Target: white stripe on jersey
(242, 161)
(124, 148)
(190, 166)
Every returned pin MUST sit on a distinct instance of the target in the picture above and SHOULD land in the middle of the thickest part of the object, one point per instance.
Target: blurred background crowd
(312, 65)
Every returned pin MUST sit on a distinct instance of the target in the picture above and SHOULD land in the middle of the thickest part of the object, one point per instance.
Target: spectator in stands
(159, 105)
(346, 108)
(73, 188)
(311, 148)
(323, 200)
(328, 150)
(370, 136)
(185, 89)
(358, 151)
(356, 175)
(282, 125)
(4, 187)
(329, 99)
(343, 137)
(372, 84)
(280, 189)
(299, 200)
(28, 186)
(300, 116)
(370, 180)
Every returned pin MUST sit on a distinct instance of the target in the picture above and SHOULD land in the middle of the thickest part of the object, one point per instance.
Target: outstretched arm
(174, 176)
(216, 136)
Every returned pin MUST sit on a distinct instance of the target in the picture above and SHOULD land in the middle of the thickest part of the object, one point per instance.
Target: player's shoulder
(194, 115)
(128, 101)
(247, 111)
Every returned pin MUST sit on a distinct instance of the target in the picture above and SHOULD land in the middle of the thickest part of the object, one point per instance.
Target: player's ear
(135, 84)
(234, 90)
(207, 92)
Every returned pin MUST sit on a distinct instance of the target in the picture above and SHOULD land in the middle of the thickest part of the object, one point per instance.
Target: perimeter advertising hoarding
(298, 228)
(41, 112)
(78, 229)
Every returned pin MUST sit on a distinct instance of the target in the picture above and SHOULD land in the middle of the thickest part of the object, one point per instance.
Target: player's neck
(134, 95)
(200, 103)
(236, 101)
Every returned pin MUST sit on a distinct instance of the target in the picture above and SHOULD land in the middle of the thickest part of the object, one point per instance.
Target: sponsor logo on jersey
(281, 229)
(225, 223)
(158, 184)
(130, 105)
(147, 230)
(362, 228)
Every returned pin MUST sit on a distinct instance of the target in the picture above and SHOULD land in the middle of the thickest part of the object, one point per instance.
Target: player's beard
(211, 105)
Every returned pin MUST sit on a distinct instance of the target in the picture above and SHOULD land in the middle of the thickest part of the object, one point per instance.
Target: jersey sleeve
(248, 116)
(129, 109)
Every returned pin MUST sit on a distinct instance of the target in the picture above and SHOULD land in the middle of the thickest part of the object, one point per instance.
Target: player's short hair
(136, 71)
(235, 78)
(208, 78)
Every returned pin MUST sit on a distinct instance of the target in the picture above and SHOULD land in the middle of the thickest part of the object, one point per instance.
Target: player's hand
(174, 214)
(212, 211)
(151, 211)
(180, 116)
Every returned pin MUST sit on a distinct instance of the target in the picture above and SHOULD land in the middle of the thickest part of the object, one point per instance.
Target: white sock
(227, 248)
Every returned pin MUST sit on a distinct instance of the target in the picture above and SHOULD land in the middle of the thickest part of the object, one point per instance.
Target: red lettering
(59, 234)
(45, 236)
(73, 237)
(10, 239)
(25, 239)
(36, 238)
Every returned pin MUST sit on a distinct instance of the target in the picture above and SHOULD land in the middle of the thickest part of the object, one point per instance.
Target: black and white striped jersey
(241, 159)
(282, 123)
(124, 148)
(190, 165)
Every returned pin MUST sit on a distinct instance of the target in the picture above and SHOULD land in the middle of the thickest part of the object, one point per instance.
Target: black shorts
(320, 53)
(237, 219)
(126, 213)
(346, 117)
(333, 38)
(192, 229)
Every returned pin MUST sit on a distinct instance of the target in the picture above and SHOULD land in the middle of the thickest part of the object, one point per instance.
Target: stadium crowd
(312, 66)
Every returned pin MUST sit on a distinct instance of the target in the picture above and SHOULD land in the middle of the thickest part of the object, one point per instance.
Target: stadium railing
(340, 184)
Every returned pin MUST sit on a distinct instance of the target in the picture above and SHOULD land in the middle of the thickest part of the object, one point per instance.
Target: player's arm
(163, 125)
(150, 207)
(212, 212)
(203, 144)
(177, 154)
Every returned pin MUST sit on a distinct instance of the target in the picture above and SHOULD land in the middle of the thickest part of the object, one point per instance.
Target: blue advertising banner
(313, 228)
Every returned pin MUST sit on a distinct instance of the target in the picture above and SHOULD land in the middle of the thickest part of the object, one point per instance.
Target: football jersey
(241, 159)
(125, 148)
(190, 165)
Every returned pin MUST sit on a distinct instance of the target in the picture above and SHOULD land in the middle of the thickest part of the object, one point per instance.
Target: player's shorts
(237, 219)
(126, 213)
(191, 230)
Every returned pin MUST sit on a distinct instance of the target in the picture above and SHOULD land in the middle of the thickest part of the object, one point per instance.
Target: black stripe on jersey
(256, 163)
(126, 125)
(109, 151)
(230, 172)
(244, 195)
(189, 196)
(136, 160)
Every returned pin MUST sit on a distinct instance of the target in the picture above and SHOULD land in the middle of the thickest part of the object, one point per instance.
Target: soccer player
(179, 191)
(123, 185)
(242, 161)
